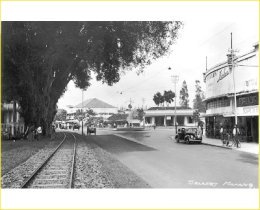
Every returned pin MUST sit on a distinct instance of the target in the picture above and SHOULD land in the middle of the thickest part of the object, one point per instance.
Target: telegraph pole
(175, 79)
(231, 65)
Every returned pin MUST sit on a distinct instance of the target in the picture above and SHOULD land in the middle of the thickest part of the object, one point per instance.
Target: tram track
(57, 170)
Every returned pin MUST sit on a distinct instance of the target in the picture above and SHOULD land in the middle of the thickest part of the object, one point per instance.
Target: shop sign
(248, 100)
(222, 74)
(220, 81)
(168, 118)
(250, 110)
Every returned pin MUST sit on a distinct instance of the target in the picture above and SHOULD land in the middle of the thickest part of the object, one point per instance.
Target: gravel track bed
(88, 172)
(16, 152)
(16, 177)
(56, 173)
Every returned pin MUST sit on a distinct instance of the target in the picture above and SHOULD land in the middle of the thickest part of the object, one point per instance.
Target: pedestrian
(199, 134)
(38, 131)
(228, 134)
(236, 132)
(154, 126)
(221, 131)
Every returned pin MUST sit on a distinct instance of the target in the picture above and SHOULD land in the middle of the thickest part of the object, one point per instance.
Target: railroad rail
(57, 171)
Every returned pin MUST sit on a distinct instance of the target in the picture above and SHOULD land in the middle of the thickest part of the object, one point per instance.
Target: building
(219, 96)
(101, 108)
(12, 122)
(164, 116)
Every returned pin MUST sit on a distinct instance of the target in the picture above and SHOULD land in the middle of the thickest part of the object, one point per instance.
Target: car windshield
(191, 130)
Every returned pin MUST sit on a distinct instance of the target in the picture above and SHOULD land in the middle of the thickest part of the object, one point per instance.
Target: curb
(213, 145)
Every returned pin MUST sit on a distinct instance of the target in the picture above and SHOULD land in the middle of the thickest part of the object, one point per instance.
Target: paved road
(155, 157)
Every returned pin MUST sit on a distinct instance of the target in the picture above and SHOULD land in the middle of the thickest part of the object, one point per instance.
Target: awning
(212, 115)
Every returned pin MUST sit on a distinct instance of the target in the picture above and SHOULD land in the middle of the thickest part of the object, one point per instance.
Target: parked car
(91, 129)
(76, 126)
(188, 135)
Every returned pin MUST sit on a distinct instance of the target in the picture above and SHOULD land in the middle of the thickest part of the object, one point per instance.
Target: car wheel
(187, 140)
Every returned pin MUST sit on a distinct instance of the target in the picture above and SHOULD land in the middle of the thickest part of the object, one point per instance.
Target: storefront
(220, 101)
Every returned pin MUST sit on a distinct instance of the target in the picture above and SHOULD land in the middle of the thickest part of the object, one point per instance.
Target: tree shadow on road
(115, 144)
(248, 158)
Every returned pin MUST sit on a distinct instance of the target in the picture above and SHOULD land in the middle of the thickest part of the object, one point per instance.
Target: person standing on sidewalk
(222, 134)
(235, 135)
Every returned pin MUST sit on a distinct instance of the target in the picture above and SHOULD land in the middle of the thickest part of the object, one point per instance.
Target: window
(190, 120)
(217, 103)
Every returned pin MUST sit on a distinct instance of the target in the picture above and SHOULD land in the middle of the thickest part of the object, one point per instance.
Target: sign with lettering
(247, 100)
(219, 80)
(223, 73)
(248, 111)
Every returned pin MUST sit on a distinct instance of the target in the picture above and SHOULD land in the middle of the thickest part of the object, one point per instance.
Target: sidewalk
(245, 146)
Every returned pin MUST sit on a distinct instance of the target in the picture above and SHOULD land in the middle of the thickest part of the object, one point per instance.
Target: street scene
(116, 104)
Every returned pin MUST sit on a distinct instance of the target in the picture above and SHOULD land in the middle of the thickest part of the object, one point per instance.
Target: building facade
(221, 84)
(12, 122)
(165, 116)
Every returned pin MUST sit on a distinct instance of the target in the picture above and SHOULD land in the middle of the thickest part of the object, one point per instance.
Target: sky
(187, 60)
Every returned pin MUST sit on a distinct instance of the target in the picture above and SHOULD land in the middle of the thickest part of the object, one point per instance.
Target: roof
(94, 103)
(169, 108)
(169, 111)
(118, 117)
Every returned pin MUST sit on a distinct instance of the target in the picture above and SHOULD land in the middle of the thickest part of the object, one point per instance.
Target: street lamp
(175, 79)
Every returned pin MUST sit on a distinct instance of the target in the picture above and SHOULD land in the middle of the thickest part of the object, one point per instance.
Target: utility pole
(175, 79)
(231, 65)
(143, 100)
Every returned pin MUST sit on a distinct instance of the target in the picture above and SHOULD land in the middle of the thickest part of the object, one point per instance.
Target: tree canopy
(61, 115)
(167, 97)
(40, 58)
(158, 98)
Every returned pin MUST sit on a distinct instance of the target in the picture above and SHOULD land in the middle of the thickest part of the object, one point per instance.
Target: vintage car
(76, 126)
(91, 129)
(188, 135)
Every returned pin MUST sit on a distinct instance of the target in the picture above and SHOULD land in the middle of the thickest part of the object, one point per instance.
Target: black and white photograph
(105, 102)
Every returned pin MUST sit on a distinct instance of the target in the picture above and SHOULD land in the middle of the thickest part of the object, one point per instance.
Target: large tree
(198, 103)
(184, 95)
(40, 58)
